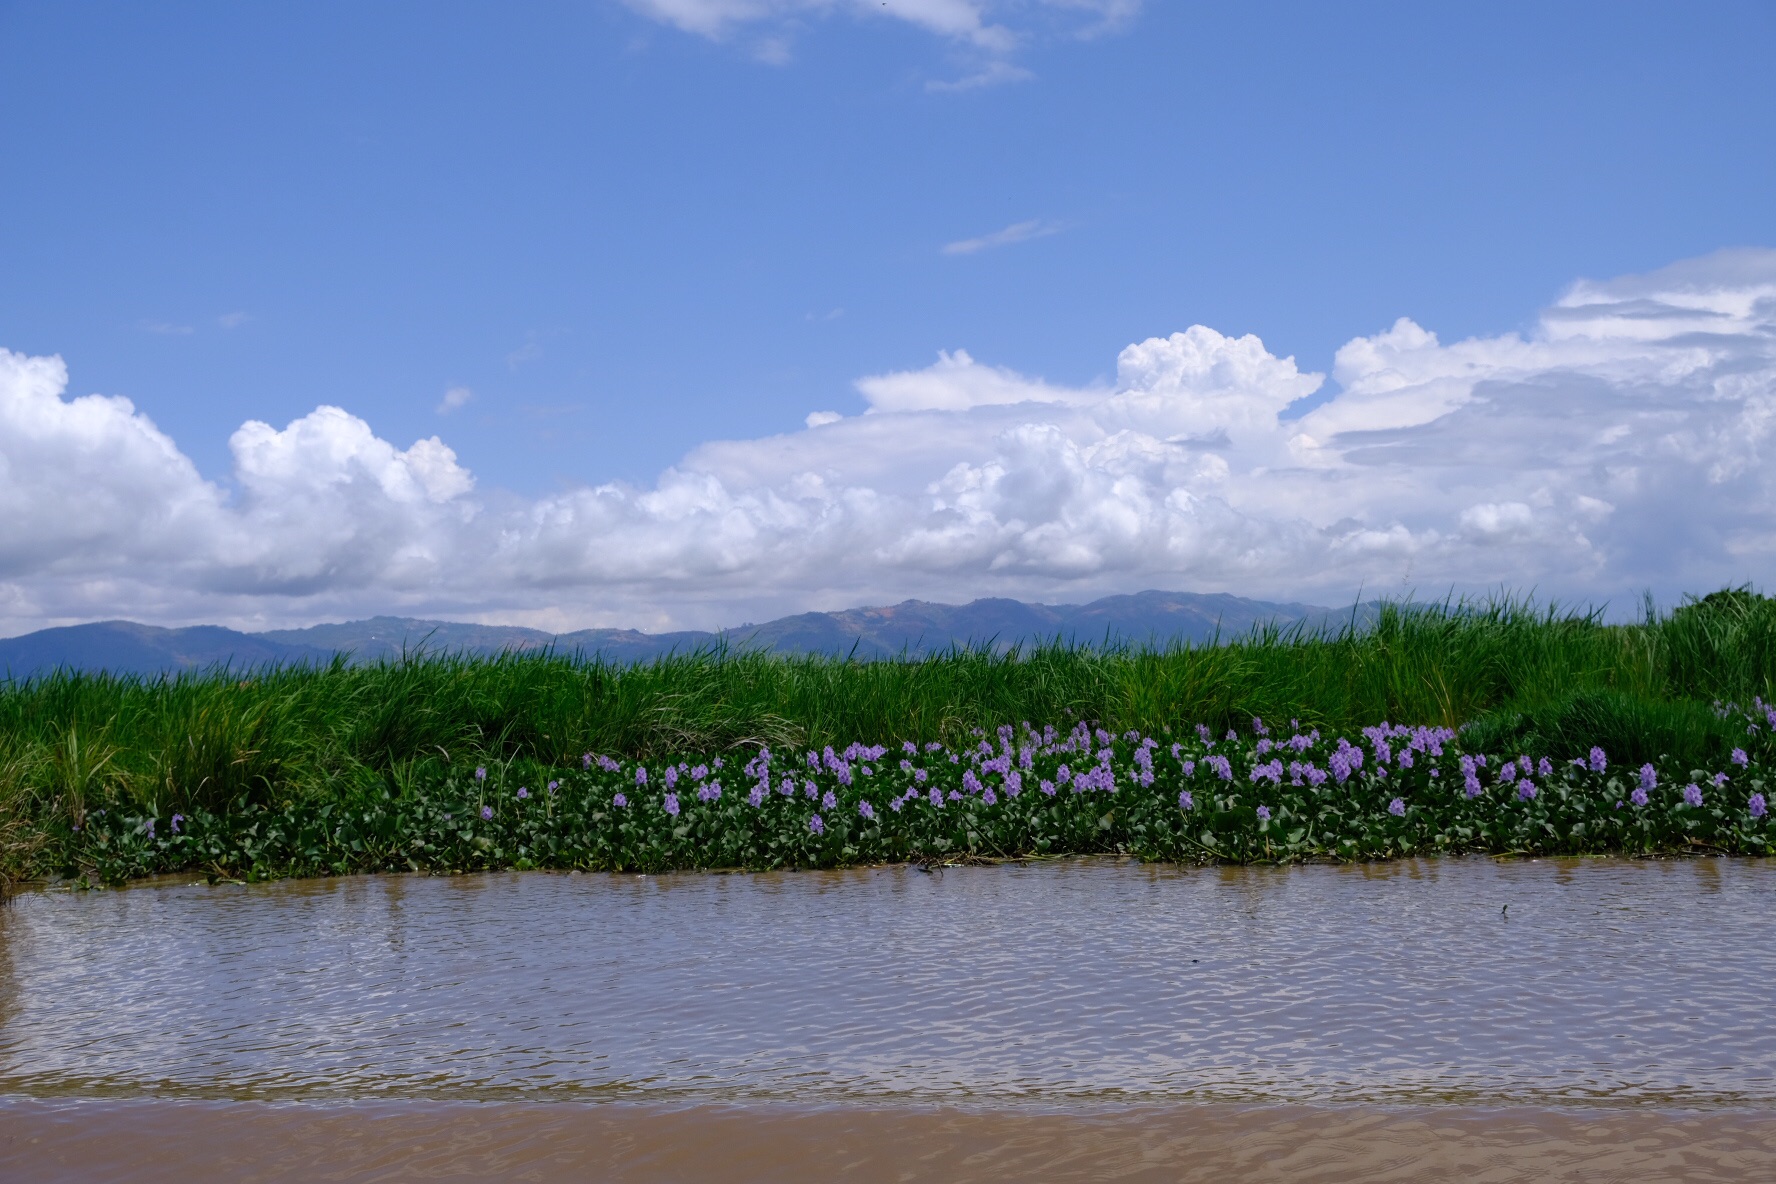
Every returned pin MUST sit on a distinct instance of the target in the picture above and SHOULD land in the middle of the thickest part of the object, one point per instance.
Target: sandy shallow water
(1076, 1020)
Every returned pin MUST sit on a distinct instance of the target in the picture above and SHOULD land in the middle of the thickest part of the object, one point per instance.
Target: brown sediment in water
(180, 1141)
(1078, 1021)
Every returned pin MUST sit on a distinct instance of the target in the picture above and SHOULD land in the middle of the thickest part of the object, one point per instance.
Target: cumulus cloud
(1618, 446)
(956, 383)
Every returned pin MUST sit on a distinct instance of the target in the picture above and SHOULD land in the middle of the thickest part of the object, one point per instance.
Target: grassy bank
(353, 768)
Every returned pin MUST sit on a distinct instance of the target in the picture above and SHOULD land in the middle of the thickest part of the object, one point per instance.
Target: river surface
(1092, 997)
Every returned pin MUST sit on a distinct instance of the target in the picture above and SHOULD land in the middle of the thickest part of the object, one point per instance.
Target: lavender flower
(1545, 767)
(1692, 794)
(829, 801)
(150, 831)
(1598, 764)
(672, 804)
(757, 796)
(1397, 808)
(1263, 813)
(1739, 757)
(1526, 790)
(1649, 778)
(481, 773)
(1719, 780)
(641, 775)
(1185, 801)
(486, 813)
(619, 801)
(937, 797)
(554, 785)
(586, 761)
(178, 818)
(1638, 797)
(1048, 788)
(866, 810)
(1756, 805)
(523, 793)
(816, 825)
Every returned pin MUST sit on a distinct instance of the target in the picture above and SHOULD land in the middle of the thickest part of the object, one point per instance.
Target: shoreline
(640, 1142)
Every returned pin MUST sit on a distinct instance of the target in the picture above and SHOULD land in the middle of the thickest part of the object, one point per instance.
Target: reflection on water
(1094, 980)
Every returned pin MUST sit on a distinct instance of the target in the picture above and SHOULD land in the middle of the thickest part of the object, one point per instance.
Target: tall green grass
(1521, 676)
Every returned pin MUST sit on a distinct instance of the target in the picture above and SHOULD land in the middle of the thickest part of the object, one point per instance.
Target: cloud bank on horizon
(1620, 445)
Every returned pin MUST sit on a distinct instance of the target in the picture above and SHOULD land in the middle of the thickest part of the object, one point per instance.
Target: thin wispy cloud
(233, 320)
(530, 351)
(985, 35)
(1017, 232)
(454, 398)
(993, 73)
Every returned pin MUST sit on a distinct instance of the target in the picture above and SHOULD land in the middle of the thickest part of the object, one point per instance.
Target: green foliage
(290, 742)
(1410, 792)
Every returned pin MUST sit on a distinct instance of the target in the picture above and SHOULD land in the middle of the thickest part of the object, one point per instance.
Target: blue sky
(632, 230)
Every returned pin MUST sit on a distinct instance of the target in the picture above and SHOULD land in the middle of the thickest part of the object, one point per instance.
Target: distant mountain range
(913, 628)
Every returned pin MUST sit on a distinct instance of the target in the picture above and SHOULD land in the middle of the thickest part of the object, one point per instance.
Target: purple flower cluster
(1393, 769)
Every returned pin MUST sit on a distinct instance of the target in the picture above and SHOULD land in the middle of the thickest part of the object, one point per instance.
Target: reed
(1514, 675)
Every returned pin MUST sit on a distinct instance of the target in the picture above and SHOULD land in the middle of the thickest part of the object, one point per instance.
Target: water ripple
(1606, 980)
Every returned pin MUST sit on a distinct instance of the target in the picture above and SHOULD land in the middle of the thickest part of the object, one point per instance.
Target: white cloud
(233, 320)
(530, 351)
(973, 26)
(993, 72)
(1017, 232)
(955, 383)
(454, 399)
(1622, 444)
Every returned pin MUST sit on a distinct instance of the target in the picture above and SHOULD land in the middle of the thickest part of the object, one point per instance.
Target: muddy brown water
(1595, 1019)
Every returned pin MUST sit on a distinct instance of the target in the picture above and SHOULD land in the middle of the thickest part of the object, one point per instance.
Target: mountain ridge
(911, 628)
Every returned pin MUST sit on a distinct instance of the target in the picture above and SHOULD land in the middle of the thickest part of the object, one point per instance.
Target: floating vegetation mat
(1260, 796)
(1532, 732)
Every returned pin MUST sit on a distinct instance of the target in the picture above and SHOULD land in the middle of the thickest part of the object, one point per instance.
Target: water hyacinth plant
(420, 762)
(1265, 795)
